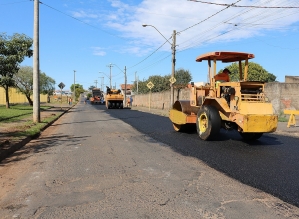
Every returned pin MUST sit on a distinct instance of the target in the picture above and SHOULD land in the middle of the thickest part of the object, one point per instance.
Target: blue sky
(88, 35)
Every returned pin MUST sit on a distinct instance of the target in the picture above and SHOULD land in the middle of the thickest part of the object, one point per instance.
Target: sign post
(61, 86)
(172, 80)
(150, 85)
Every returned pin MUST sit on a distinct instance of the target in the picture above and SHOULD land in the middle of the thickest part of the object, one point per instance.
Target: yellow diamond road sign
(150, 85)
(172, 80)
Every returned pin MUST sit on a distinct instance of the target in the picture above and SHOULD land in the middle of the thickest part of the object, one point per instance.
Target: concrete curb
(4, 153)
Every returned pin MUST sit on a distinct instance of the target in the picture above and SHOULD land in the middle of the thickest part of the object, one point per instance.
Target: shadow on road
(270, 164)
(42, 144)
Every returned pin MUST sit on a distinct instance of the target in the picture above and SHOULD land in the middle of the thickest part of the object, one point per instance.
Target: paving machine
(240, 105)
(114, 99)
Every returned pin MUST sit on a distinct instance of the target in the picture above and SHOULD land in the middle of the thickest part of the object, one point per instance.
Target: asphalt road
(98, 163)
(270, 164)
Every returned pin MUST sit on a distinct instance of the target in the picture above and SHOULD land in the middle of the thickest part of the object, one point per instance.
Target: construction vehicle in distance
(97, 96)
(114, 99)
(240, 105)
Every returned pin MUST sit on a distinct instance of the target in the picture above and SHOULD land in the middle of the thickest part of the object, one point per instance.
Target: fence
(15, 97)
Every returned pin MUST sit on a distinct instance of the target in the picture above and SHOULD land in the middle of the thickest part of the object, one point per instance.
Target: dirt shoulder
(10, 138)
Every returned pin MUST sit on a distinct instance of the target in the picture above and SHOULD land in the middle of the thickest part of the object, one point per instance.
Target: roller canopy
(225, 56)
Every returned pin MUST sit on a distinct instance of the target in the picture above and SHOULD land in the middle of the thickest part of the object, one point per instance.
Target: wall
(15, 97)
(282, 96)
(160, 100)
(291, 79)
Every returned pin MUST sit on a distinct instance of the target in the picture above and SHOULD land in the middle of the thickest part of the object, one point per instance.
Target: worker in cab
(223, 76)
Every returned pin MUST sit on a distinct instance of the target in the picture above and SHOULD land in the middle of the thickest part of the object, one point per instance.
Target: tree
(79, 90)
(13, 50)
(91, 87)
(24, 83)
(255, 72)
(183, 77)
(47, 85)
(161, 83)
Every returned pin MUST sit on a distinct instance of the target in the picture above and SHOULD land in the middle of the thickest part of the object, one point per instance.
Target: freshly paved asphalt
(95, 162)
(270, 164)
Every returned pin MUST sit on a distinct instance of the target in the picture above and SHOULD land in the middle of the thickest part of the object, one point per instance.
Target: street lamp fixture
(145, 25)
(173, 45)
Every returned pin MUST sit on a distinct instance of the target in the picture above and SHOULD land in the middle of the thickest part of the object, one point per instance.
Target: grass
(283, 118)
(21, 117)
(17, 112)
(32, 129)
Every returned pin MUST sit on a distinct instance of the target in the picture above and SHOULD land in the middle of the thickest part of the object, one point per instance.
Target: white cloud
(84, 14)
(196, 22)
(98, 51)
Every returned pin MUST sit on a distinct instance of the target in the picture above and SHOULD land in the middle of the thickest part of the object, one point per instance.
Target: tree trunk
(178, 95)
(29, 99)
(7, 97)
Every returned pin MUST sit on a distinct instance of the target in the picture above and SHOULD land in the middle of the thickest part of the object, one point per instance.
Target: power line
(240, 6)
(81, 21)
(208, 17)
(149, 55)
(255, 17)
(150, 65)
(223, 33)
(211, 28)
(15, 2)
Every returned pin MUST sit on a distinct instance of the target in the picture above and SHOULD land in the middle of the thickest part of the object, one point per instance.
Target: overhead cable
(209, 17)
(82, 21)
(150, 54)
(15, 2)
(240, 6)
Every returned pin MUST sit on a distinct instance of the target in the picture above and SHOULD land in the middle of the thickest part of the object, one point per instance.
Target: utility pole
(110, 66)
(137, 79)
(173, 45)
(173, 68)
(96, 82)
(125, 85)
(74, 87)
(36, 97)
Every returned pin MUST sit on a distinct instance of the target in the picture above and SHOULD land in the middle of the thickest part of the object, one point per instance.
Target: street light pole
(173, 45)
(110, 66)
(102, 82)
(74, 87)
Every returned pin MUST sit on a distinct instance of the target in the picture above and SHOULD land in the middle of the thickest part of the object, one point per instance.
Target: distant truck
(97, 96)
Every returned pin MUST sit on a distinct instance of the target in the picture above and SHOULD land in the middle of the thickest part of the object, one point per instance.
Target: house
(129, 89)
